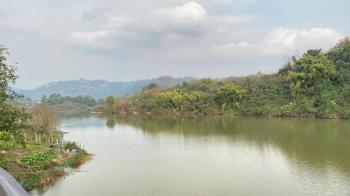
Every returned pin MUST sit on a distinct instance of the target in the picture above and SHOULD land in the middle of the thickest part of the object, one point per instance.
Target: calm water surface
(209, 156)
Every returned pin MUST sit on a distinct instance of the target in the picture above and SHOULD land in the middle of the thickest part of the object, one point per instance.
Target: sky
(125, 40)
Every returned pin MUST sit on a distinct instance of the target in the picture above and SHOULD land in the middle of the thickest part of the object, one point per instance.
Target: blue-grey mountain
(98, 89)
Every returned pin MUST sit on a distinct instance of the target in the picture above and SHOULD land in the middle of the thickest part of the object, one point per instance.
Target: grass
(38, 166)
(77, 159)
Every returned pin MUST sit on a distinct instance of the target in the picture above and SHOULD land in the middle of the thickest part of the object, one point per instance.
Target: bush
(3, 160)
(5, 136)
(77, 159)
(7, 141)
(8, 145)
(345, 114)
(287, 109)
(71, 146)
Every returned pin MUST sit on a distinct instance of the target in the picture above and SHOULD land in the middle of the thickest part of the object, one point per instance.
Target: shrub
(71, 146)
(8, 145)
(3, 160)
(346, 113)
(5, 136)
(77, 159)
(286, 109)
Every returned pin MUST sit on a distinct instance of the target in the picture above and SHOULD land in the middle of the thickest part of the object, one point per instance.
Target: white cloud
(233, 49)
(222, 29)
(187, 17)
(162, 24)
(187, 13)
(90, 38)
(234, 20)
(283, 41)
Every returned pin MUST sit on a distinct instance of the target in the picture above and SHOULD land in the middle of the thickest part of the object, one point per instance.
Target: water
(209, 156)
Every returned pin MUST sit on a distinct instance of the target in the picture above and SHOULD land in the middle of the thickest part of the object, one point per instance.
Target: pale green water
(209, 156)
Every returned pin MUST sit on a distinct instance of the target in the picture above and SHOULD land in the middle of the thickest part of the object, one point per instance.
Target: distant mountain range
(98, 89)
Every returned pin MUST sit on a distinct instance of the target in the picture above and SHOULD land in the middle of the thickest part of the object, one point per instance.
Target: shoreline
(33, 172)
(193, 114)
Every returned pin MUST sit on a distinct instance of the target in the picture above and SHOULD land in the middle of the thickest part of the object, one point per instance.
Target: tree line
(314, 84)
(70, 106)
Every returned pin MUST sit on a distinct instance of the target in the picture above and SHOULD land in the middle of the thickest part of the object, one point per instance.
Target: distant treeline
(70, 105)
(315, 84)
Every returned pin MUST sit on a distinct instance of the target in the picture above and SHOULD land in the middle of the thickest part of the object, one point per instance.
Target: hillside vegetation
(315, 84)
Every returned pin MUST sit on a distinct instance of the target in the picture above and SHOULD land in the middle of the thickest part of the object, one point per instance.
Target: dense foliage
(70, 105)
(7, 141)
(12, 119)
(71, 146)
(314, 84)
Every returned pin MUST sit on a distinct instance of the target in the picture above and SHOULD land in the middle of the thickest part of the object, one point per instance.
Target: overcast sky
(124, 40)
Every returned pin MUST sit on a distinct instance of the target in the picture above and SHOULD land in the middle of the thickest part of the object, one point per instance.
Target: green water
(209, 156)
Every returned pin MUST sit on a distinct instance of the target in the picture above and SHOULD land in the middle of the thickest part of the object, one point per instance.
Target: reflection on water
(210, 156)
(317, 142)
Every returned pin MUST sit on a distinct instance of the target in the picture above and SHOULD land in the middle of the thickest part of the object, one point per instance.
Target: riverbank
(194, 114)
(38, 166)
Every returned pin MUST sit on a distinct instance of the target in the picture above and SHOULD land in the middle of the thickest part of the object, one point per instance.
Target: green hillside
(315, 84)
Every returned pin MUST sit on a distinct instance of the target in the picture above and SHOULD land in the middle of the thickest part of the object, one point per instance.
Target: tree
(231, 96)
(7, 78)
(311, 79)
(12, 119)
(110, 102)
(340, 56)
(46, 119)
(309, 71)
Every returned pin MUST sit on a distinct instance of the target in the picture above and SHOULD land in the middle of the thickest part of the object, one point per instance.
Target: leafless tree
(46, 119)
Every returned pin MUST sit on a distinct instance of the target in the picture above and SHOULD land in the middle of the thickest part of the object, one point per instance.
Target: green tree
(7, 78)
(307, 72)
(12, 119)
(311, 79)
(110, 102)
(231, 96)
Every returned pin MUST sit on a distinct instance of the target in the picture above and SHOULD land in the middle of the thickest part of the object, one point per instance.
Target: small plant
(77, 159)
(71, 146)
(34, 158)
(38, 159)
(346, 113)
(286, 109)
(7, 141)
(8, 145)
(3, 159)
(5, 136)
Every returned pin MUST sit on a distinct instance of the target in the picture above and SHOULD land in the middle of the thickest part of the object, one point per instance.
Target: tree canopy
(12, 119)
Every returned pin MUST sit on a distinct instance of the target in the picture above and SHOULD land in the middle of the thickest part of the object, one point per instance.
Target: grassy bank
(37, 166)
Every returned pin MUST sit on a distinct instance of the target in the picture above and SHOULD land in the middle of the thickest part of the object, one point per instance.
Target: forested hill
(98, 88)
(314, 84)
